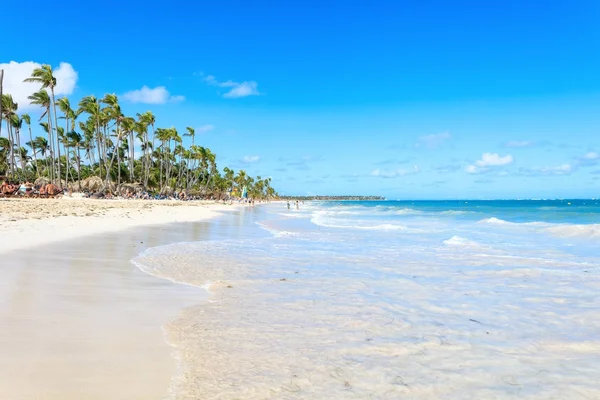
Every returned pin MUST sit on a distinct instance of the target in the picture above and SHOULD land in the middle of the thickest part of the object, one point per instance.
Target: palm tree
(17, 123)
(69, 115)
(191, 132)
(44, 76)
(76, 142)
(211, 166)
(229, 178)
(24, 158)
(9, 108)
(42, 99)
(108, 139)
(40, 144)
(88, 143)
(163, 136)
(148, 119)
(91, 106)
(27, 119)
(4, 147)
(129, 125)
(242, 179)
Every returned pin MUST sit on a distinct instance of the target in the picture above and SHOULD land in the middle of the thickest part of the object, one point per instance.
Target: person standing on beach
(288, 204)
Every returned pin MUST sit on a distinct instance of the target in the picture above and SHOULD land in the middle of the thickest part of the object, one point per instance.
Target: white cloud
(493, 160)
(238, 89)
(564, 169)
(15, 73)
(242, 90)
(518, 143)
(250, 159)
(589, 159)
(489, 160)
(471, 169)
(205, 128)
(433, 141)
(560, 170)
(146, 95)
(395, 173)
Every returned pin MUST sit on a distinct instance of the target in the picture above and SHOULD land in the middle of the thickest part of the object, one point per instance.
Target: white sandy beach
(33, 222)
(79, 320)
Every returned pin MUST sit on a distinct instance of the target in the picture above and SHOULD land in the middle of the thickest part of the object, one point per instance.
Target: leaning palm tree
(23, 158)
(76, 142)
(42, 99)
(44, 75)
(40, 144)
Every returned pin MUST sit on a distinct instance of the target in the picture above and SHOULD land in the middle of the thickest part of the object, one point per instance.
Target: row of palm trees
(96, 139)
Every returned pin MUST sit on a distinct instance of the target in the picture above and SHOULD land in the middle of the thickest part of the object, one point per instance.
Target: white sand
(32, 222)
(79, 321)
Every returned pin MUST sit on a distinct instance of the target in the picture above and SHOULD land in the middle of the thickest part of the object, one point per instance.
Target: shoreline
(28, 223)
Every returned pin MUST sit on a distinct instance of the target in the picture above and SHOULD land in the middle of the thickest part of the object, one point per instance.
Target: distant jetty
(334, 198)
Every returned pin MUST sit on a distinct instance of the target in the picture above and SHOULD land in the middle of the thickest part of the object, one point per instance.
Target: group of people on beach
(28, 189)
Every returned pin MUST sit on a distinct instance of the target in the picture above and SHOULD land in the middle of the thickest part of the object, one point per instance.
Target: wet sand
(80, 321)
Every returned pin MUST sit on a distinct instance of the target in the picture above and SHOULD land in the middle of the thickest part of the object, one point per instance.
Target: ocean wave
(572, 230)
(336, 212)
(494, 220)
(379, 227)
(407, 211)
(294, 214)
(275, 231)
(498, 221)
(461, 242)
(455, 212)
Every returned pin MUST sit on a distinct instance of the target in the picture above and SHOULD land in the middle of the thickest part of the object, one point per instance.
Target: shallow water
(420, 300)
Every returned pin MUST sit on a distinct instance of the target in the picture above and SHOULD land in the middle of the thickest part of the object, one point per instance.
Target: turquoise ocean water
(396, 299)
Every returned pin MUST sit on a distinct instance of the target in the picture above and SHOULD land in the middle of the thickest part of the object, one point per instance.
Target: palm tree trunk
(112, 160)
(131, 156)
(118, 167)
(51, 142)
(18, 139)
(37, 175)
(162, 158)
(79, 166)
(99, 146)
(11, 150)
(67, 150)
(180, 172)
(150, 155)
(57, 137)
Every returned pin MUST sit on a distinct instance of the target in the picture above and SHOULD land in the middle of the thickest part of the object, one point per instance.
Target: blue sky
(462, 99)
